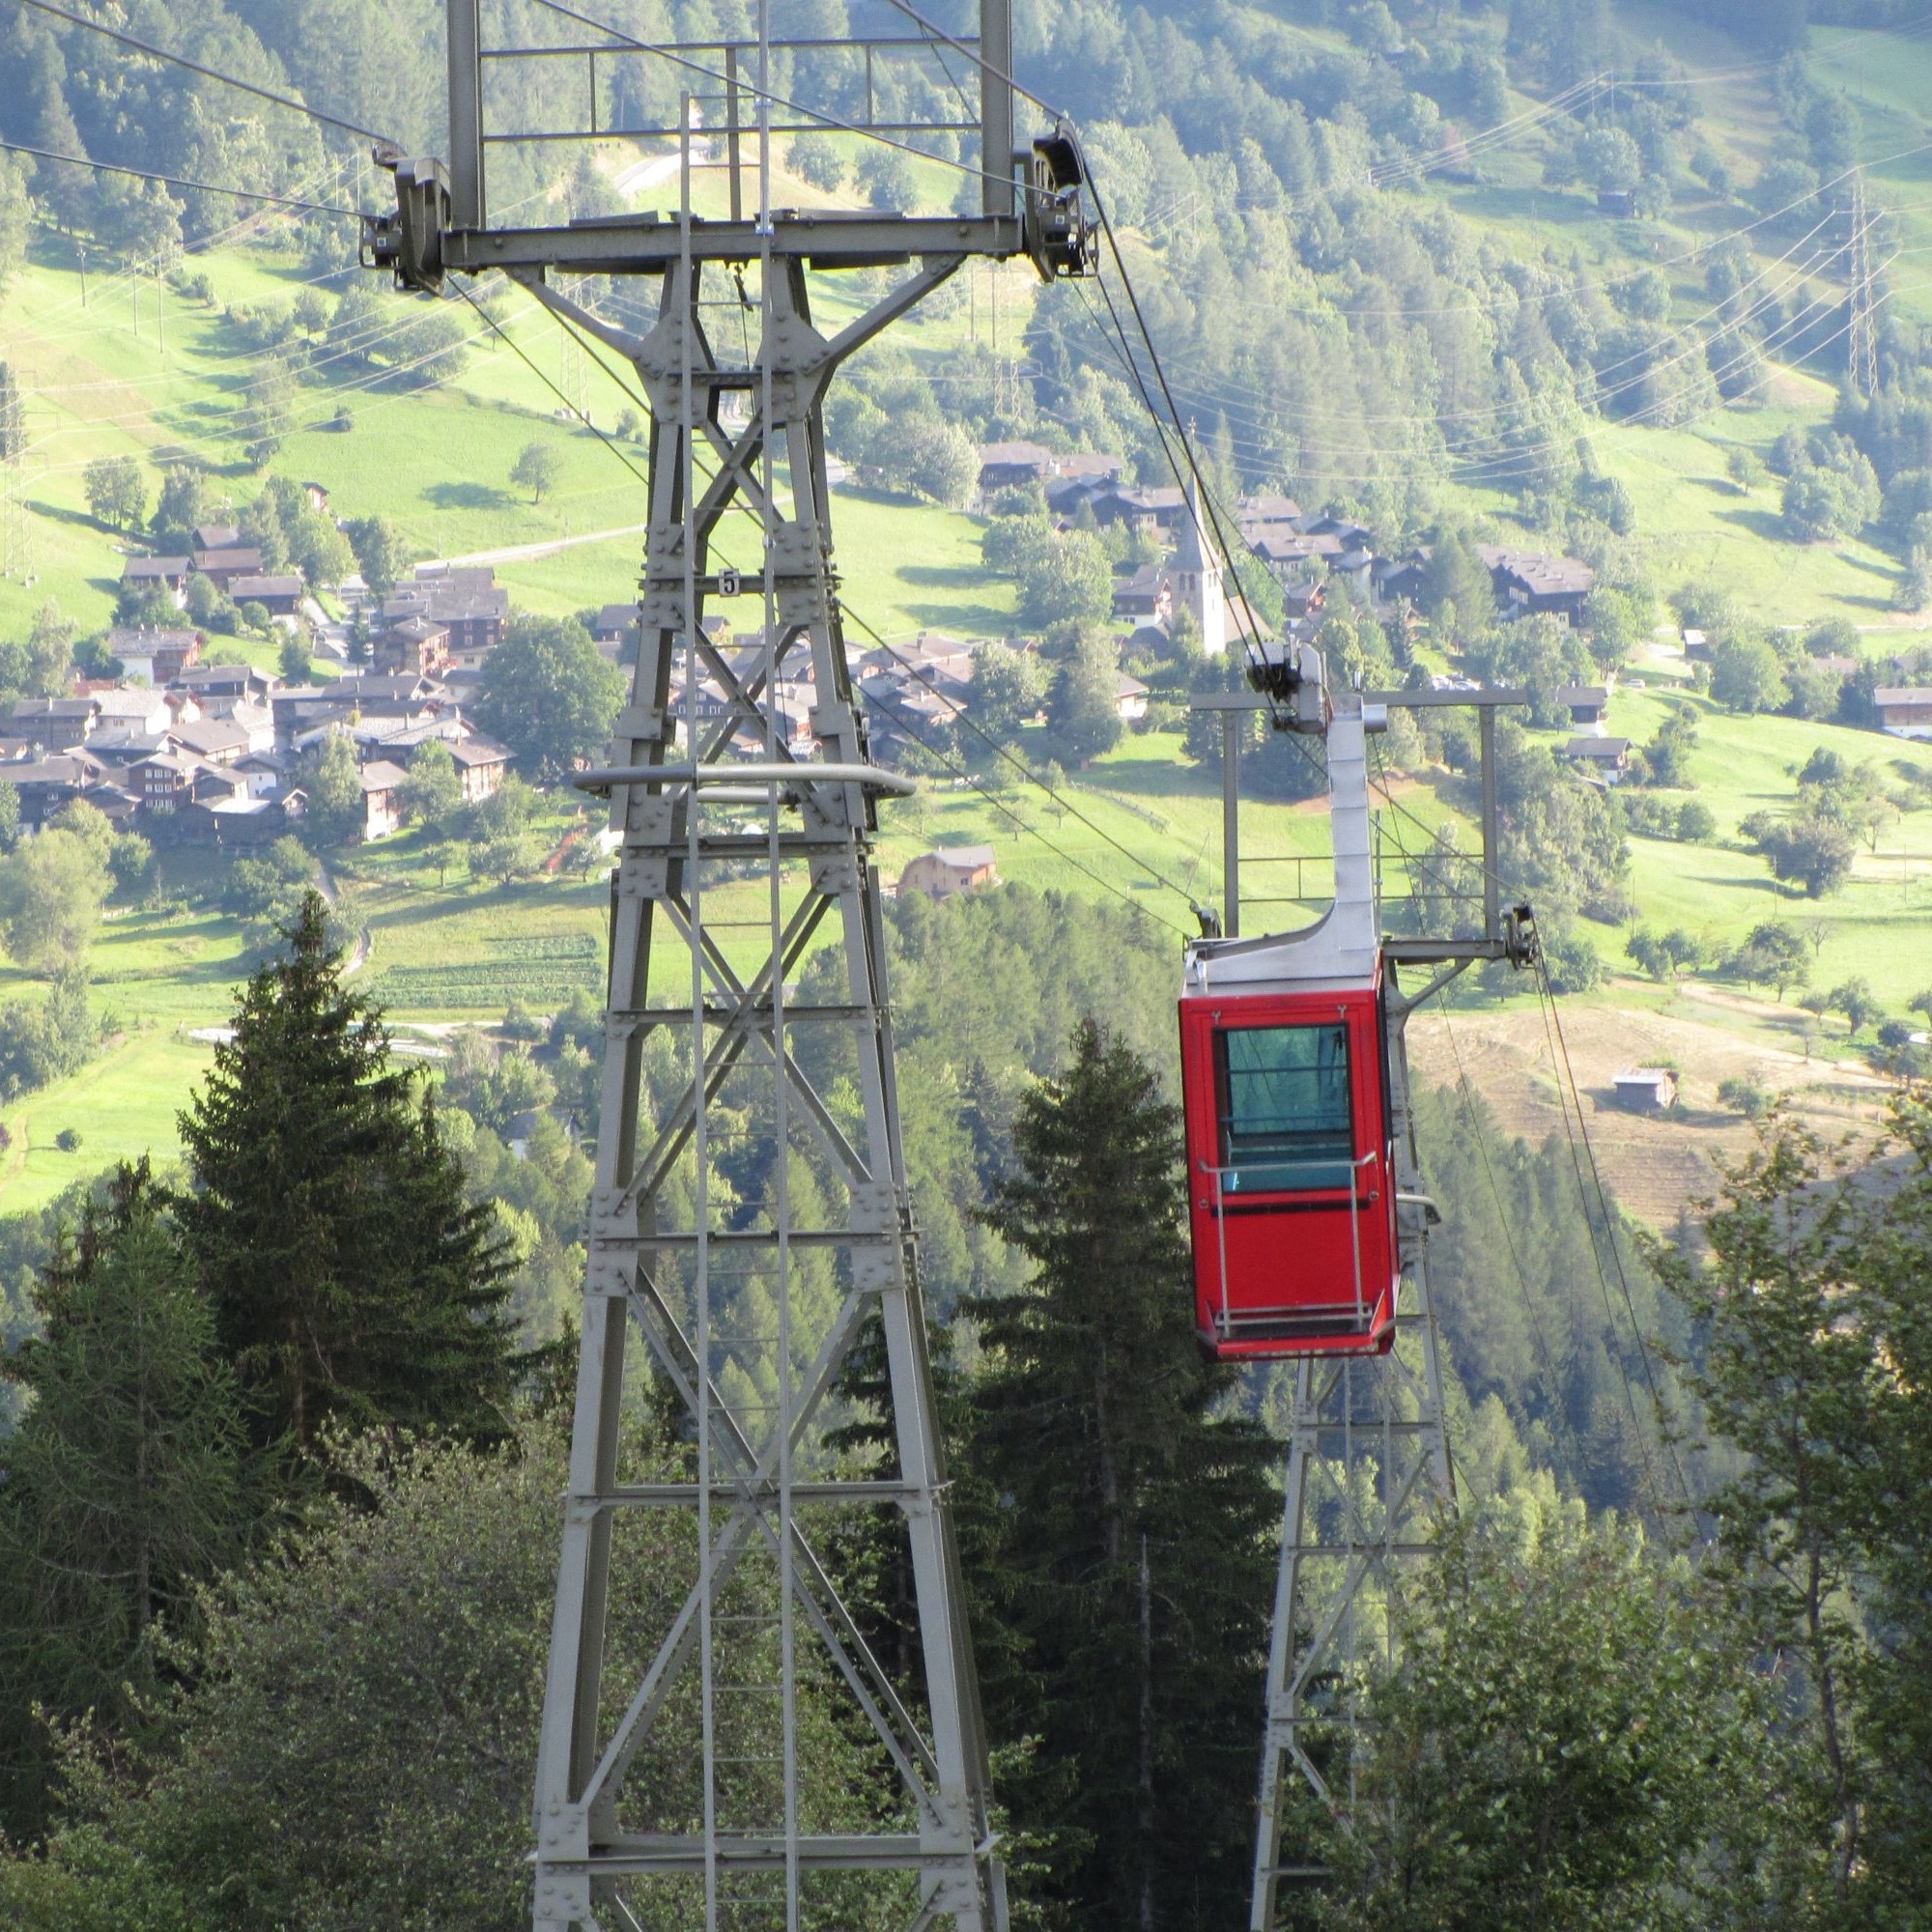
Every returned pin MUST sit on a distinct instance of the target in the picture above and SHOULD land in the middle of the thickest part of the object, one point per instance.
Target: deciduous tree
(1067, 581)
(1007, 687)
(1566, 1738)
(379, 551)
(1083, 710)
(116, 492)
(548, 694)
(535, 469)
(52, 890)
(432, 794)
(1813, 1346)
(357, 1748)
(332, 781)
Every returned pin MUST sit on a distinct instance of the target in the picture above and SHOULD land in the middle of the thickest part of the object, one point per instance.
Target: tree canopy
(127, 1484)
(548, 694)
(349, 1277)
(1120, 1530)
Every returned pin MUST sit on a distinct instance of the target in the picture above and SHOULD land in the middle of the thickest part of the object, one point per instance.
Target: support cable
(1251, 643)
(1544, 1001)
(1019, 764)
(534, 367)
(176, 181)
(885, 710)
(1516, 458)
(1560, 102)
(979, 60)
(1011, 757)
(1574, 1132)
(1502, 467)
(211, 73)
(1558, 1408)
(1250, 646)
(1610, 1235)
(1726, 314)
(1511, 298)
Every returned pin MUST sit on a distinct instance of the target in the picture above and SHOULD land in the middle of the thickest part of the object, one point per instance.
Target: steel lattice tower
(1862, 348)
(1369, 1477)
(671, 1264)
(749, 1223)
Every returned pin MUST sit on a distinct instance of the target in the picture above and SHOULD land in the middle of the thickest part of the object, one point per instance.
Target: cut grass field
(1878, 926)
(462, 950)
(437, 461)
(1141, 826)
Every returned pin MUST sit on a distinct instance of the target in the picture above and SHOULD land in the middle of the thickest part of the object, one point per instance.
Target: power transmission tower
(572, 380)
(15, 559)
(751, 1222)
(1862, 346)
(1369, 1470)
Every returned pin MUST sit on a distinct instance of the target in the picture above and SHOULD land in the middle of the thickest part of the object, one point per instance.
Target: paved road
(516, 552)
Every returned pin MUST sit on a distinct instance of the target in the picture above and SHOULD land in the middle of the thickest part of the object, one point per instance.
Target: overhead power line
(1575, 1129)
(211, 73)
(1020, 765)
(885, 710)
(1582, 1134)
(504, 335)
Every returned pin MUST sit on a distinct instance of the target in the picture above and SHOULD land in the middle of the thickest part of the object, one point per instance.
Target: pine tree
(351, 1278)
(127, 1484)
(1118, 1524)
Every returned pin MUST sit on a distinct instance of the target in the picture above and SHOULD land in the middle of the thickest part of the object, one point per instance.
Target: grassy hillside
(98, 381)
(459, 952)
(115, 372)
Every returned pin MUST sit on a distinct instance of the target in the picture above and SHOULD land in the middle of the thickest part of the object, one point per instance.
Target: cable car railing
(1272, 1321)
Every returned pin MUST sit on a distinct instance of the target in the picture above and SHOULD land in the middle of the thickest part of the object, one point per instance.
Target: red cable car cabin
(1291, 1184)
(1293, 1197)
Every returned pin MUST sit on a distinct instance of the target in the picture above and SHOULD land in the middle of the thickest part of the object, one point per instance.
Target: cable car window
(1286, 1123)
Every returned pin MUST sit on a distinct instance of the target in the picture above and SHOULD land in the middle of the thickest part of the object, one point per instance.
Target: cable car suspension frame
(1369, 1467)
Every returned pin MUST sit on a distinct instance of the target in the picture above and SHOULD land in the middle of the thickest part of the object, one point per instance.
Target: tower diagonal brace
(600, 1843)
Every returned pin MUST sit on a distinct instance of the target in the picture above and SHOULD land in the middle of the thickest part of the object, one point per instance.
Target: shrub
(1745, 1096)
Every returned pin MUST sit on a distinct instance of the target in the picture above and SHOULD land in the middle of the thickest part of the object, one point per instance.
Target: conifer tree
(1118, 1525)
(351, 1278)
(127, 1484)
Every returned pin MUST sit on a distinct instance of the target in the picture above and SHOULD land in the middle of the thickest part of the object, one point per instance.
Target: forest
(290, 1420)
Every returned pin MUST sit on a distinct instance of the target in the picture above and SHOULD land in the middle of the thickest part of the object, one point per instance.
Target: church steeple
(1198, 585)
